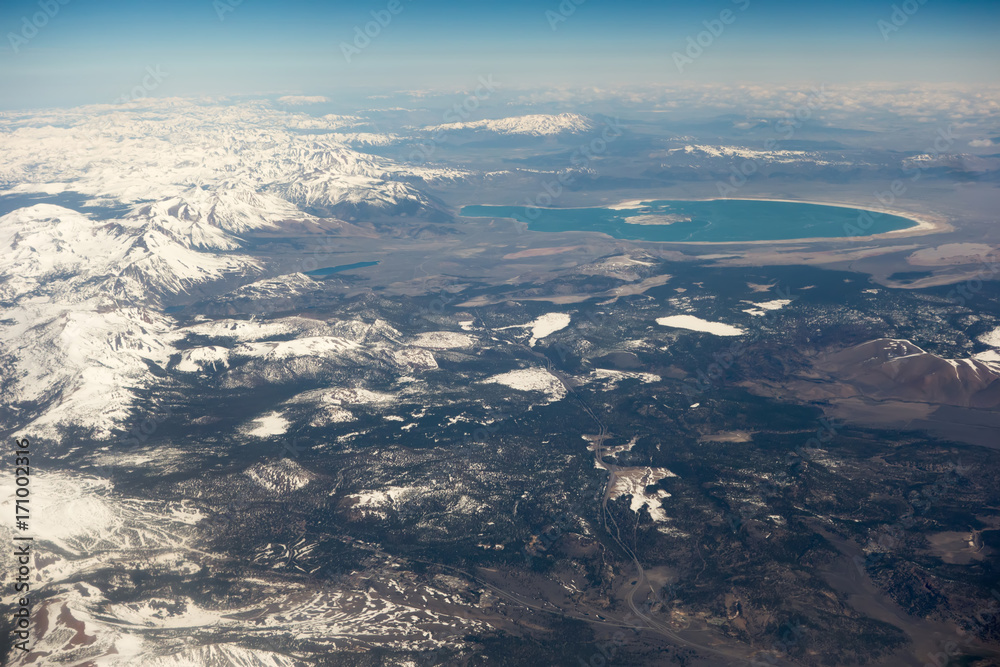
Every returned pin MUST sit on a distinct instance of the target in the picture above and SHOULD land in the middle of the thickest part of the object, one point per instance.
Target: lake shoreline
(923, 223)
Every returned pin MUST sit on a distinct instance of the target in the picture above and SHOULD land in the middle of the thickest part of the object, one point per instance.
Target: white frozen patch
(612, 378)
(693, 323)
(197, 360)
(546, 325)
(85, 356)
(371, 498)
(71, 511)
(391, 496)
(991, 338)
(84, 518)
(414, 358)
(332, 404)
(543, 326)
(187, 515)
(990, 356)
(633, 482)
(774, 304)
(252, 329)
(532, 379)
(270, 424)
(443, 340)
(773, 156)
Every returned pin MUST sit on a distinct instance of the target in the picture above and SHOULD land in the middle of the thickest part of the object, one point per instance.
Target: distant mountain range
(534, 125)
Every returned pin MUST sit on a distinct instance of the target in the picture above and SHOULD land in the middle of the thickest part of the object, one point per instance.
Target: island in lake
(708, 221)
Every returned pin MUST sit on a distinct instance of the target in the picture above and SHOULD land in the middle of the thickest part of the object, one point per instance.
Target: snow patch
(612, 378)
(443, 340)
(991, 338)
(693, 323)
(532, 379)
(989, 356)
(198, 359)
(633, 482)
(547, 324)
(267, 425)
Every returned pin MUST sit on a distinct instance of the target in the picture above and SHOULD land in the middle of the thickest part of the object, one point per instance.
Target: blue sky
(92, 51)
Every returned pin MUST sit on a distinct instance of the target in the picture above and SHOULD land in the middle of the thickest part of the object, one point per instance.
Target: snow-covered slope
(147, 254)
(82, 322)
(80, 363)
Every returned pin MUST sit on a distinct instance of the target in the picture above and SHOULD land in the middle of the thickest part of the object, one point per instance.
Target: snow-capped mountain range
(178, 186)
(82, 293)
(162, 150)
(742, 153)
(533, 125)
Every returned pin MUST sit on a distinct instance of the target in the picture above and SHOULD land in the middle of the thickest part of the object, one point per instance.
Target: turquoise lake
(715, 221)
